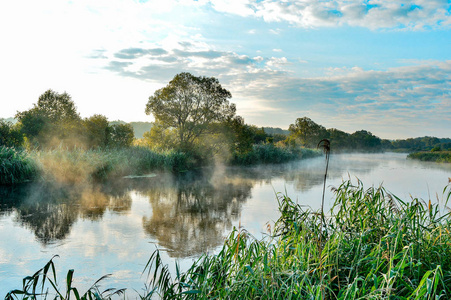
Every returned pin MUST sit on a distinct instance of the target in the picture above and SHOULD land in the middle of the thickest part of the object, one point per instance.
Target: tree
(121, 135)
(10, 135)
(190, 104)
(53, 117)
(339, 139)
(307, 132)
(365, 140)
(97, 131)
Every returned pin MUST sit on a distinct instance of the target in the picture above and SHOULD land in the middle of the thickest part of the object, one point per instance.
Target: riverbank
(435, 156)
(370, 244)
(81, 166)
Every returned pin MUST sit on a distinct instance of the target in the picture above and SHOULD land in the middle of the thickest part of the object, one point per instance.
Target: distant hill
(138, 127)
(276, 130)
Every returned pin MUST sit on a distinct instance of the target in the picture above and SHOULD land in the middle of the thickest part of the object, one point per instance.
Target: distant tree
(53, 117)
(365, 140)
(307, 132)
(339, 139)
(190, 104)
(97, 131)
(120, 135)
(10, 135)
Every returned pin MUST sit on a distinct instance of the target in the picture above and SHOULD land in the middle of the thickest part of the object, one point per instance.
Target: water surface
(114, 228)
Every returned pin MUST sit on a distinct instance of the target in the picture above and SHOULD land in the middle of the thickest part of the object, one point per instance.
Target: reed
(16, 166)
(75, 166)
(44, 285)
(271, 154)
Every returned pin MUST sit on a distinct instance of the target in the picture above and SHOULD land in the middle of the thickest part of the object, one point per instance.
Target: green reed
(271, 154)
(16, 166)
(81, 165)
(44, 285)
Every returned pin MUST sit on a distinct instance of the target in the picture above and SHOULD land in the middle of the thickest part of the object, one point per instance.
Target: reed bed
(75, 166)
(371, 245)
(271, 154)
(16, 166)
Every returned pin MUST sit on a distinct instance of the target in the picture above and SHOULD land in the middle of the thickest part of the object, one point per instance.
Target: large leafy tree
(53, 117)
(190, 105)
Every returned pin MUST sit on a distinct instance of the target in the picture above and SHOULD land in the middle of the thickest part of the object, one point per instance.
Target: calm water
(113, 229)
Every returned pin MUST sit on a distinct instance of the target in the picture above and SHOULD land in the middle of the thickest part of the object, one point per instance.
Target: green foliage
(120, 135)
(363, 139)
(52, 121)
(436, 156)
(426, 143)
(97, 131)
(307, 132)
(16, 166)
(190, 104)
(271, 154)
(37, 286)
(241, 136)
(160, 138)
(10, 135)
(372, 246)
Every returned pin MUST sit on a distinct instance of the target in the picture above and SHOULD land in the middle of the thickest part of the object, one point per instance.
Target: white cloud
(417, 15)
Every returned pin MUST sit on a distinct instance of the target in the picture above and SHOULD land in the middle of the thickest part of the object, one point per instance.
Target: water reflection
(191, 215)
(50, 210)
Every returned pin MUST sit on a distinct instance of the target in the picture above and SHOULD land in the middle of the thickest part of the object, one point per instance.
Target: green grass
(372, 245)
(437, 156)
(16, 166)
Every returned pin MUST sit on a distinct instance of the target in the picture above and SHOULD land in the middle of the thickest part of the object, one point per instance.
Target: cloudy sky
(379, 65)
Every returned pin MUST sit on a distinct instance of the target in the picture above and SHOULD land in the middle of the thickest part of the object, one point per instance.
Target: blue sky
(381, 65)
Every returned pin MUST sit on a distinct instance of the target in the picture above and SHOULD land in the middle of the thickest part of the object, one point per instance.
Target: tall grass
(271, 154)
(373, 246)
(16, 166)
(80, 165)
(43, 285)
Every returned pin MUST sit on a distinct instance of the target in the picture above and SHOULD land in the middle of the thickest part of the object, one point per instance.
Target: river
(114, 228)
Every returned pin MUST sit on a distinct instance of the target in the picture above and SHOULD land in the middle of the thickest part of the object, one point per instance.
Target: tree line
(192, 114)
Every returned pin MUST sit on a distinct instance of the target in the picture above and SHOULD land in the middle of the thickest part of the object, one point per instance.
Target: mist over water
(114, 228)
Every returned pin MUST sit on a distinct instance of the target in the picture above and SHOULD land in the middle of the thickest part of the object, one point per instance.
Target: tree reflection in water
(50, 210)
(191, 215)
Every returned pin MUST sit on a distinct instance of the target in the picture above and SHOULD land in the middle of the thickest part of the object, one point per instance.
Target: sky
(379, 65)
